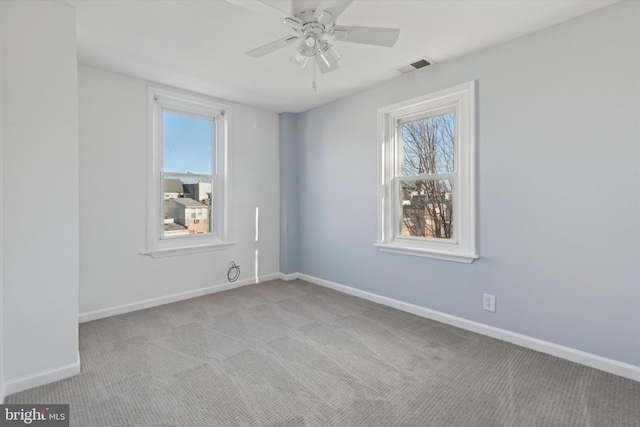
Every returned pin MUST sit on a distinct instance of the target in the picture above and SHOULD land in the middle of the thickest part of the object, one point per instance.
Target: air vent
(420, 63)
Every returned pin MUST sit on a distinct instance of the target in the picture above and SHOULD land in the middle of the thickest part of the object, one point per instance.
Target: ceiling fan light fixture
(329, 55)
(299, 59)
(310, 41)
(306, 50)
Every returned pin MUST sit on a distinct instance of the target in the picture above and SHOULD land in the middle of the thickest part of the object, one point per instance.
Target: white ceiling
(199, 45)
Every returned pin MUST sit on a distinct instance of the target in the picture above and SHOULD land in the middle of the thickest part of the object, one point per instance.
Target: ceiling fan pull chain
(313, 85)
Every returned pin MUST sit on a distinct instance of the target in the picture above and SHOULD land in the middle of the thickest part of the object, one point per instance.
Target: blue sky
(187, 143)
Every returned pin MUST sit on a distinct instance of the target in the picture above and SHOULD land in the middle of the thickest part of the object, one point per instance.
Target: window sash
(434, 112)
(189, 110)
(397, 175)
(398, 139)
(199, 113)
(213, 224)
(397, 209)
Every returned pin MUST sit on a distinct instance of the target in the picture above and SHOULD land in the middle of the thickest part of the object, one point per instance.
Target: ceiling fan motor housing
(311, 38)
(312, 32)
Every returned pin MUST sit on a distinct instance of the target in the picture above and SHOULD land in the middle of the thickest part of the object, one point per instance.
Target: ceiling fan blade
(261, 51)
(367, 35)
(275, 8)
(323, 67)
(334, 7)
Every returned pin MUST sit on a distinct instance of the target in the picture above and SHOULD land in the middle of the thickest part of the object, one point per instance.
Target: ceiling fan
(314, 24)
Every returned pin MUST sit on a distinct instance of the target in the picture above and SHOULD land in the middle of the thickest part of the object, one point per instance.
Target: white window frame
(160, 99)
(462, 248)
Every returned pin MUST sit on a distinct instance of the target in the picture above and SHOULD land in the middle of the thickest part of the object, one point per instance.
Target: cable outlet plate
(489, 302)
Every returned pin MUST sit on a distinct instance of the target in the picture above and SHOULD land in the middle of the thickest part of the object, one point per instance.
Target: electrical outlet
(489, 302)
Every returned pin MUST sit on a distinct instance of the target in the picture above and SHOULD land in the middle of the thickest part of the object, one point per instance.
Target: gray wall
(289, 211)
(558, 180)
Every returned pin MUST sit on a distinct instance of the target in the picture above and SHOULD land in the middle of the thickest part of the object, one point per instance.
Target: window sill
(185, 250)
(428, 253)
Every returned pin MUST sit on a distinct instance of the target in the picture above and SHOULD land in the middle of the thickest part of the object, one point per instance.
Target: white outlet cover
(489, 302)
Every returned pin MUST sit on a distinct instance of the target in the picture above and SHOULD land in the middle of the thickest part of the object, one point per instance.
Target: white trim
(43, 377)
(289, 277)
(426, 253)
(167, 299)
(185, 250)
(268, 277)
(612, 366)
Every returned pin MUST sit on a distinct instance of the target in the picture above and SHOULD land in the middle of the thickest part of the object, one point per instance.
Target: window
(427, 177)
(188, 173)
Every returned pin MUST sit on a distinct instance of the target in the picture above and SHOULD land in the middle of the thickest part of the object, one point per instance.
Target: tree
(428, 150)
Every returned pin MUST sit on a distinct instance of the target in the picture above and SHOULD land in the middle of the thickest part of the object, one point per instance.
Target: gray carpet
(296, 354)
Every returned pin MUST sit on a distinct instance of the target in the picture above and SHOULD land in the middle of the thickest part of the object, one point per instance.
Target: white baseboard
(167, 299)
(41, 378)
(289, 277)
(268, 277)
(594, 361)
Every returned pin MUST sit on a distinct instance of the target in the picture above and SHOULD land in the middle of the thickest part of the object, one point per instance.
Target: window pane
(427, 145)
(187, 206)
(427, 208)
(186, 143)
